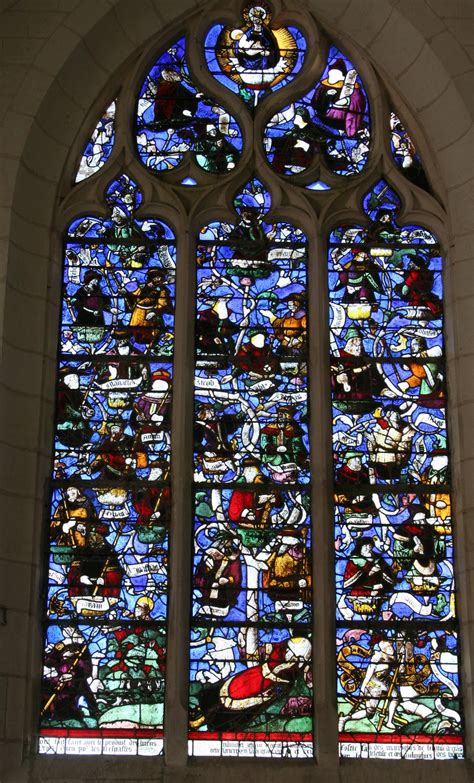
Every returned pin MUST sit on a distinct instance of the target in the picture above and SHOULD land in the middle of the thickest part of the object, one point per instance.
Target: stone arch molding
(78, 69)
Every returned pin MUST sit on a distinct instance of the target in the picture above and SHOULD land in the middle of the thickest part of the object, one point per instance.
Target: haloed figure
(256, 49)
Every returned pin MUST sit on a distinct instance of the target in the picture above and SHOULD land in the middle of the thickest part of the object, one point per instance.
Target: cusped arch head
(123, 194)
(123, 197)
(383, 206)
(252, 198)
(381, 202)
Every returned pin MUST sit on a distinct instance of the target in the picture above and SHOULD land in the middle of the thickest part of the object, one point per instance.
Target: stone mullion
(179, 590)
(324, 670)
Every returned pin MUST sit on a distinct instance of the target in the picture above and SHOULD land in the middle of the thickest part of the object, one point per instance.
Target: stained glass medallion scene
(252, 532)
(331, 122)
(256, 56)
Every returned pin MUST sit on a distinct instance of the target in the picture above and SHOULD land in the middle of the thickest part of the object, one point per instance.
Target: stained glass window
(105, 638)
(251, 633)
(262, 193)
(397, 641)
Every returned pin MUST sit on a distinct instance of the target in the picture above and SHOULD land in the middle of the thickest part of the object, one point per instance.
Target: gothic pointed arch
(231, 128)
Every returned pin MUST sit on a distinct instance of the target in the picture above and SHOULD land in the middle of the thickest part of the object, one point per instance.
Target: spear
(61, 684)
(85, 645)
(386, 703)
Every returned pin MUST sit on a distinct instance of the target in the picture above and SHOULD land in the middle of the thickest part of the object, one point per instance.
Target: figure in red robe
(255, 358)
(417, 287)
(352, 477)
(175, 105)
(95, 569)
(232, 704)
(114, 453)
(367, 574)
(252, 509)
(153, 505)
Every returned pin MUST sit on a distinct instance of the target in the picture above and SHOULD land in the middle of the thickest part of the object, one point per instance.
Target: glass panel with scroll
(251, 622)
(397, 653)
(105, 636)
(331, 120)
